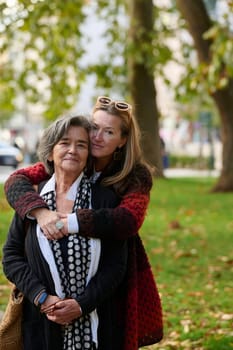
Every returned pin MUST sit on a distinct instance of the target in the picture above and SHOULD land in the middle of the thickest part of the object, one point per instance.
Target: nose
(72, 148)
(97, 134)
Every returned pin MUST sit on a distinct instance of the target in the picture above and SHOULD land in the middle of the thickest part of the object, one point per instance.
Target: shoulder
(143, 172)
(140, 178)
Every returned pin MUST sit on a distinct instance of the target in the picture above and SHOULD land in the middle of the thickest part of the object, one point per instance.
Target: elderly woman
(69, 284)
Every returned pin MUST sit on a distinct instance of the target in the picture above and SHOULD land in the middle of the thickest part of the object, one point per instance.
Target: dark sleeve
(20, 192)
(124, 220)
(110, 274)
(15, 265)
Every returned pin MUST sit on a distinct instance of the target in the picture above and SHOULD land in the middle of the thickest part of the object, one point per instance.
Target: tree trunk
(224, 101)
(198, 22)
(141, 79)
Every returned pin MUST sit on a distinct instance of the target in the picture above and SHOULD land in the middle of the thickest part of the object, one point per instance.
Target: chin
(96, 153)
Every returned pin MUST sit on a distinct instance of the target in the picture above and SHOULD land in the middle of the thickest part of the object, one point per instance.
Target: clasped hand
(61, 311)
(47, 220)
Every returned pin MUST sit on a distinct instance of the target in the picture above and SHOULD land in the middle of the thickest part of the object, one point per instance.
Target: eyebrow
(105, 127)
(78, 140)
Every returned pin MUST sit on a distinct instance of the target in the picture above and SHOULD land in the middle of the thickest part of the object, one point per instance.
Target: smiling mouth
(96, 146)
(72, 159)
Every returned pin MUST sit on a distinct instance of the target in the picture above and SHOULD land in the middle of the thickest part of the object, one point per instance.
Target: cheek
(85, 156)
(92, 137)
(110, 147)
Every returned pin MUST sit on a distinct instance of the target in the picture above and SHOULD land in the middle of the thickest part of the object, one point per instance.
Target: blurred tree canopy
(43, 47)
(43, 58)
(213, 74)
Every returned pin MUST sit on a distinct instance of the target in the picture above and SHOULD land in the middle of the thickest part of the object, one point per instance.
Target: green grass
(5, 217)
(188, 237)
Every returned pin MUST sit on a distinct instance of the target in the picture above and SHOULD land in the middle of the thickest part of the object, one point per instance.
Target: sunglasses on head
(120, 105)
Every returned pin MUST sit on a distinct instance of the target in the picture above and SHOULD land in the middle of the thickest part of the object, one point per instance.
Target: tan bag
(10, 326)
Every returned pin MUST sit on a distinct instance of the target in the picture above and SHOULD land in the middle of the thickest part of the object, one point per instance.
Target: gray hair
(53, 134)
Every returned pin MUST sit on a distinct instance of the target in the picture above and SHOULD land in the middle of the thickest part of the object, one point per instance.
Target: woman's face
(71, 152)
(105, 137)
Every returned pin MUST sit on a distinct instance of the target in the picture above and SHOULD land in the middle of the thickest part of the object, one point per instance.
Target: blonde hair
(131, 151)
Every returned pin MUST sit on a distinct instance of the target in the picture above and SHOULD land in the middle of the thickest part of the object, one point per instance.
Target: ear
(123, 142)
(50, 157)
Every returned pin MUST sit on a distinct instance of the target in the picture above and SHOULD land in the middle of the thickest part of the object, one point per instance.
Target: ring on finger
(59, 225)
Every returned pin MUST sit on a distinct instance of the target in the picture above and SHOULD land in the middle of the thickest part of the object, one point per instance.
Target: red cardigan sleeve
(20, 192)
(123, 221)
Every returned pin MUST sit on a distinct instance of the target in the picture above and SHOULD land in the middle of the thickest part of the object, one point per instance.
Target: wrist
(80, 309)
(40, 299)
(36, 213)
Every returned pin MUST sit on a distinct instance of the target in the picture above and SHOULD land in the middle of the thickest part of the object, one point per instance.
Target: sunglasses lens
(104, 100)
(122, 106)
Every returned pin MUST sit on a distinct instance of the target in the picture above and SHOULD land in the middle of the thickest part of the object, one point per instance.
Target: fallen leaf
(174, 224)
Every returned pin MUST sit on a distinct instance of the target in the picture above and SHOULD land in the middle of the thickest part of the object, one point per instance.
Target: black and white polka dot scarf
(73, 272)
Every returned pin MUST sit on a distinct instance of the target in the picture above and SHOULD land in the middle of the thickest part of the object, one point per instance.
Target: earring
(117, 155)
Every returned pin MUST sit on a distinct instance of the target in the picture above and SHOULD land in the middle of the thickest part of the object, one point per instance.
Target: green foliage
(43, 45)
(44, 37)
(192, 162)
(6, 215)
(220, 69)
(48, 42)
(201, 80)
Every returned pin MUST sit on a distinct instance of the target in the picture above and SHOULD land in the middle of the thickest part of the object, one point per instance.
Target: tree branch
(198, 21)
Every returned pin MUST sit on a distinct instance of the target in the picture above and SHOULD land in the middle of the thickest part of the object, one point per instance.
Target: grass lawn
(188, 234)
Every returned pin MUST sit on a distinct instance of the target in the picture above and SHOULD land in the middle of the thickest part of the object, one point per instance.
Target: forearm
(23, 278)
(121, 222)
(15, 265)
(24, 200)
(20, 192)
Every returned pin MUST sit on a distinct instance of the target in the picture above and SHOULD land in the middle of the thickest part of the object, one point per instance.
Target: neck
(63, 182)
(101, 164)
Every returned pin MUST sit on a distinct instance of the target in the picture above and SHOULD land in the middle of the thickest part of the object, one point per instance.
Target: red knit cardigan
(139, 303)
